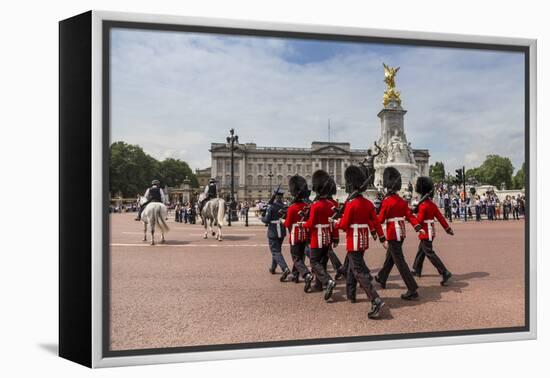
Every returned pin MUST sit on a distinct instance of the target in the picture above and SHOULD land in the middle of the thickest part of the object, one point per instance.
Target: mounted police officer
(153, 194)
(276, 233)
(210, 191)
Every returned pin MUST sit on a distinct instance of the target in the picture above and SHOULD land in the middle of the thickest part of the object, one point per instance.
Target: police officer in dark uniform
(276, 233)
(210, 191)
(153, 194)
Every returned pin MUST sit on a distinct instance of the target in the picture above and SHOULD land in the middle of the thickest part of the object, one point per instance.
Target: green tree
(518, 182)
(174, 171)
(495, 170)
(437, 171)
(131, 170)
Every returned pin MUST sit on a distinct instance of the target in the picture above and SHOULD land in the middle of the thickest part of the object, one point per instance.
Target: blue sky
(174, 93)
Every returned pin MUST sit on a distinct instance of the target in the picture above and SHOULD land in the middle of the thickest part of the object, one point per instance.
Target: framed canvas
(246, 188)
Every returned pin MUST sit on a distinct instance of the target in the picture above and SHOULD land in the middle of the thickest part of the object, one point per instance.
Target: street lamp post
(231, 140)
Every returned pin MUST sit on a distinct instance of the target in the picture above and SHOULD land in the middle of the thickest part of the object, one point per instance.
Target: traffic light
(459, 175)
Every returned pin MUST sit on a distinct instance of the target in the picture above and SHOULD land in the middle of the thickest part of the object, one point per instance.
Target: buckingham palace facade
(259, 169)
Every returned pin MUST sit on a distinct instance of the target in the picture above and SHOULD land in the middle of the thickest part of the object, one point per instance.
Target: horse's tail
(161, 219)
(221, 212)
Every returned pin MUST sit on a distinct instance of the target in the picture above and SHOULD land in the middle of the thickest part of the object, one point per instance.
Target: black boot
(296, 277)
(377, 305)
(284, 275)
(409, 295)
(328, 291)
(382, 283)
(308, 278)
(339, 274)
(272, 270)
(446, 277)
(416, 274)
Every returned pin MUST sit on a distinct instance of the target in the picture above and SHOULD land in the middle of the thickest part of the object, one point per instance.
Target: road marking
(224, 234)
(220, 244)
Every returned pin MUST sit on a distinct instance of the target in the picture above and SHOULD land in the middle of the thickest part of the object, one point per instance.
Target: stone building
(260, 169)
(203, 175)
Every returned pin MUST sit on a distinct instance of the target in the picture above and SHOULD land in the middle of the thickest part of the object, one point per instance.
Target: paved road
(192, 291)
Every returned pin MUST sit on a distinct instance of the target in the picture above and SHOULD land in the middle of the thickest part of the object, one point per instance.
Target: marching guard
(394, 210)
(358, 220)
(332, 256)
(276, 233)
(298, 235)
(321, 231)
(428, 212)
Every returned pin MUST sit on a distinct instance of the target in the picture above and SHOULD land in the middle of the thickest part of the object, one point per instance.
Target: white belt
(396, 221)
(278, 223)
(356, 227)
(320, 232)
(430, 223)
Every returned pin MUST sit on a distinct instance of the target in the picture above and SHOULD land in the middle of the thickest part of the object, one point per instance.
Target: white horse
(213, 213)
(153, 214)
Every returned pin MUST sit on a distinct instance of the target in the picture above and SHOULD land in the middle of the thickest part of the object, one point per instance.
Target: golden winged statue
(390, 94)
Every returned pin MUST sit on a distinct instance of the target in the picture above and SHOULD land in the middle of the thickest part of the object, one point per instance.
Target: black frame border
(108, 25)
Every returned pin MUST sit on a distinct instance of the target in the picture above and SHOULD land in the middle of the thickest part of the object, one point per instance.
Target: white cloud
(175, 93)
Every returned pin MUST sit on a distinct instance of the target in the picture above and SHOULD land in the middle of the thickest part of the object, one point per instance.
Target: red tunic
(334, 230)
(358, 220)
(318, 223)
(297, 234)
(395, 210)
(427, 212)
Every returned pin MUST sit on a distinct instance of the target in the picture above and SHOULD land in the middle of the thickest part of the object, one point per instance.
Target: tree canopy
(495, 170)
(518, 182)
(437, 171)
(131, 170)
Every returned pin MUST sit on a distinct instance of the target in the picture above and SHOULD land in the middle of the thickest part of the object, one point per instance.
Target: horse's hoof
(213, 234)
(205, 237)
(162, 241)
(153, 243)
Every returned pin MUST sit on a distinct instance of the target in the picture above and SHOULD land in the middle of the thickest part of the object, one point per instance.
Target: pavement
(193, 291)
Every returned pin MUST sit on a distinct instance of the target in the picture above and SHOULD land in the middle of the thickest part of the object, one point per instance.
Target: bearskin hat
(331, 187)
(319, 182)
(424, 185)
(392, 179)
(355, 177)
(297, 186)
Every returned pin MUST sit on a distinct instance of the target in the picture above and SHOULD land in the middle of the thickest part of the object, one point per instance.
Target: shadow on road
(433, 293)
(173, 242)
(235, 237)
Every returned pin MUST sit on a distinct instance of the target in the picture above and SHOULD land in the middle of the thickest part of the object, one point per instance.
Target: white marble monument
(395, 150)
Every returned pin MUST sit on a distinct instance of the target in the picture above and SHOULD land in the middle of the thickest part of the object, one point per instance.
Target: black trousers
(298, 253)
(425, 249)
(334, 260)
(394, 255)
(358, 272)
(319, 261)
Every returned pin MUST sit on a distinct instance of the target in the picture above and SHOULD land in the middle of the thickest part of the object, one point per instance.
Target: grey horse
(213, 214)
